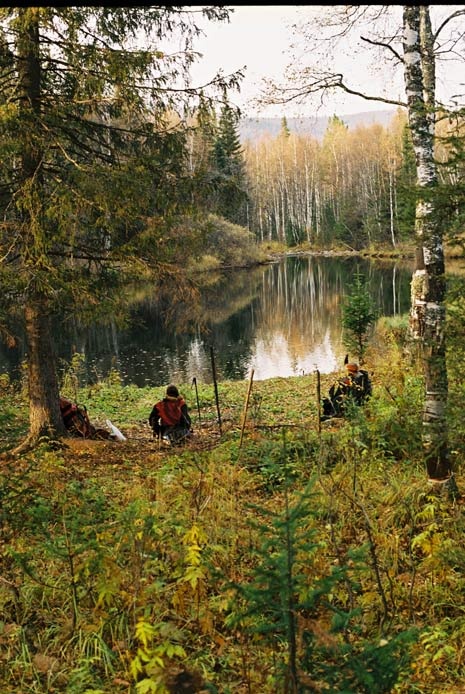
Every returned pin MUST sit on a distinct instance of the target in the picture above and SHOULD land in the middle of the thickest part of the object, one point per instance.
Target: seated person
(170, 417)
(356, 385)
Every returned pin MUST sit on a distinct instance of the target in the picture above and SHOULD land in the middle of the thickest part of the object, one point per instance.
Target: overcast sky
(260, 37)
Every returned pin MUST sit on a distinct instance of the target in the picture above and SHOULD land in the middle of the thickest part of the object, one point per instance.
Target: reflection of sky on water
(282, 319)
(279, 359)
(195, 357)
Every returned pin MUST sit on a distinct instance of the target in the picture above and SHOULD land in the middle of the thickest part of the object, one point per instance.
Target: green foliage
(295, 233)
(73, 376)
(158, 644)
(283, 595)
(284, 132)
(101, 199)
(396, 326)
(396, 418)
(129, 567)
(455, 359)
(358, 316)
(374, 668)
(12, 424)
(270, 602)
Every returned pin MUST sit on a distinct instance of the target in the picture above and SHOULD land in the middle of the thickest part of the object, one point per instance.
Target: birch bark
(428, 287)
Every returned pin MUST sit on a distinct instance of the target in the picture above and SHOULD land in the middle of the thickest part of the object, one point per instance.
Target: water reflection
(279, 320)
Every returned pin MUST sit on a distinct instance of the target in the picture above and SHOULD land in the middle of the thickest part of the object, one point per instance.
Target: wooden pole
(215, 384)
(246, 407)
(318, 399)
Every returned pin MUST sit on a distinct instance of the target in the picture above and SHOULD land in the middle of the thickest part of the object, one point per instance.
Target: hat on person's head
(172, 391)
(352, 368)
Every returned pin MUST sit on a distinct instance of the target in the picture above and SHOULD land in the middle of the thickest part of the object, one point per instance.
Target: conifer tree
(358, 316)
(284, 132)
(285, 596)
(451, 168)
(92, 155)
(201, 158)
(406, 189)
(270, 600)
(231, 188)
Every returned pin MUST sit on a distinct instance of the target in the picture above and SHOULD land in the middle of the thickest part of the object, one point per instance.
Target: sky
(260, 38)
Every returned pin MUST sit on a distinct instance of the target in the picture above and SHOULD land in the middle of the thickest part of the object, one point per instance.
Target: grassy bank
(267, 554)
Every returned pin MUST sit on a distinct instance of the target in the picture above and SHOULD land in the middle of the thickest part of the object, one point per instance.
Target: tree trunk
(427, 319)
(44, 413)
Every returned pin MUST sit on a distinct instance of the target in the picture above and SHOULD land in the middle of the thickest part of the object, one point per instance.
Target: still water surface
(282, 319)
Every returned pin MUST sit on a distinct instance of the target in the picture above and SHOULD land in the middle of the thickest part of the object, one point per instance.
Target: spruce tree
(358, 316)
(284, 132)
(406, 192)
(286, 598)
(231, 187)
(92, 144)
(269, 602)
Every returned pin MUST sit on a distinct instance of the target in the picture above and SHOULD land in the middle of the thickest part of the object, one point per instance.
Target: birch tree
(413, 46)
(428, 283)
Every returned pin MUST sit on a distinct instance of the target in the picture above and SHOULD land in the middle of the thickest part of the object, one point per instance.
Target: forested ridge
(255, 128)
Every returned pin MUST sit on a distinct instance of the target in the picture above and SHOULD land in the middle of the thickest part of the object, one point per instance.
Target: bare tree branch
(322, 85)
(383, 44)
(454, 15)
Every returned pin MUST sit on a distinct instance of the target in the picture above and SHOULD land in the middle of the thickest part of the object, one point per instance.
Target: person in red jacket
(356, 386)
(170, 417)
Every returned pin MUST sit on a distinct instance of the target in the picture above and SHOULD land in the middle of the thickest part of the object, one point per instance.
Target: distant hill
(255, 128)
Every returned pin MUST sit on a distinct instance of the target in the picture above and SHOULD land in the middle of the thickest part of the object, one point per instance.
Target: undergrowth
(270, 556)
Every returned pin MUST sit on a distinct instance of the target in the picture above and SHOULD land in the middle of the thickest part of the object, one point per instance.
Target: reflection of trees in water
(221, 295)
(168, 340)
(232, 342)
(180, 334)
(301, 299)
(222, 318)
(281, 313)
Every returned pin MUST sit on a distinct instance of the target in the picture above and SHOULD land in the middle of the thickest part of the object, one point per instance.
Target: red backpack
(76, 419)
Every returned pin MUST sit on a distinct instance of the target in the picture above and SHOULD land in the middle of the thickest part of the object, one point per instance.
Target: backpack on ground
(76, 419)
(77, 422)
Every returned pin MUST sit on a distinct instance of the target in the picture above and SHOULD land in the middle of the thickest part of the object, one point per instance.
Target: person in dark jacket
(170, 417)
(356, 386)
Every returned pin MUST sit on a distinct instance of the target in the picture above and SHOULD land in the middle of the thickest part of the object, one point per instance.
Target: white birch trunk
(428, 281)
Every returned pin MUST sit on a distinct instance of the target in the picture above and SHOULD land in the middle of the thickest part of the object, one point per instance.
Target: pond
(281, 319)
